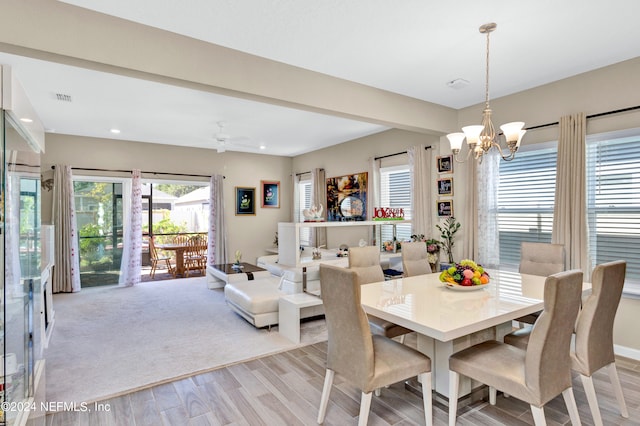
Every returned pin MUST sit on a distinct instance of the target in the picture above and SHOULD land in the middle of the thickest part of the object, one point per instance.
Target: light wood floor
(284, 389)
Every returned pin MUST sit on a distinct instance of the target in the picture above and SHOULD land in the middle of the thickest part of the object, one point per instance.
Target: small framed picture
(445, 208)
(445, 186)
(270, 194)
(245, 201)
(445, 164)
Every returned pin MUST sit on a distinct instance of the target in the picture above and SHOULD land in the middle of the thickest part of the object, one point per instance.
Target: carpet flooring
(112, 340)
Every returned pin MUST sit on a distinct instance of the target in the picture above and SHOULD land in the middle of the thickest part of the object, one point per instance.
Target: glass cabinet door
(21, 257)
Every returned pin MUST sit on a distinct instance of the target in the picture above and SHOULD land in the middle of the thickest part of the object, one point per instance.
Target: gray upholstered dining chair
(365, 261)
(366, 361)
(541, 259)
(414, 258)
(593, 348)
(537, 374)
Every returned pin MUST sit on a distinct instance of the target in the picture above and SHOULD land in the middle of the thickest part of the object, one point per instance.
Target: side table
(289, 316)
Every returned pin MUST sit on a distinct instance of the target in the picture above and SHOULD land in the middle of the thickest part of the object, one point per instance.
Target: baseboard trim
(627, 352)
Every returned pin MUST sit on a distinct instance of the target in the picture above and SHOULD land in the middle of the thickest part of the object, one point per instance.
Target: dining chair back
(158, 260)
(541, 259)
(365, 261)
(538, 373)
(593, 349)
(366, 361)
(195, 256)
(414, 258)
(180, 239)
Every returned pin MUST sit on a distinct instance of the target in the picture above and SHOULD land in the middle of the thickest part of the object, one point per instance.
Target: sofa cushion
(256, 297)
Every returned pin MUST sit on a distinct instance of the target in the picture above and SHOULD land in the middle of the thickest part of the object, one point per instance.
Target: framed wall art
(245, 201)
(347, 198)
(445, 186)
(270, 194)
(445, 164)
(444, 208)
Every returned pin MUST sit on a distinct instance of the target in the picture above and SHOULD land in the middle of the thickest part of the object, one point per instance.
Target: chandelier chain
(486, 93)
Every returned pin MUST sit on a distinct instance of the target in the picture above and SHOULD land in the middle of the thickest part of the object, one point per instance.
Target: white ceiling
(412, 47)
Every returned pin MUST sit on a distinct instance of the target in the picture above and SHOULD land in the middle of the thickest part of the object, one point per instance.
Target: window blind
(395, 192)
(613, 203)
(304, 199)
(525, 201)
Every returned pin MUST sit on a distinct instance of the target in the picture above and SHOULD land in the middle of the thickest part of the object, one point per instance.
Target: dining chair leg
(592, 399)
(324, 399)
(572, 408)
(493, 393)
(454, 383)
(425, 378)
(365, 406)
(538, 416)
(617, 389)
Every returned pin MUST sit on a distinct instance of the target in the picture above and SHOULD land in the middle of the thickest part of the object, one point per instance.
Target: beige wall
(250, 234)
(353, 157)
(606, 89)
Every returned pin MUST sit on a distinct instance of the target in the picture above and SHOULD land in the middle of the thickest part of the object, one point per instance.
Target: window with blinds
(304, 202)
(613, 202)
(395, 192)
(525, 201)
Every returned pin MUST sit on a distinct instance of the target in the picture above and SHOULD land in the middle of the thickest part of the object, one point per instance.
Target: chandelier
(481, 138)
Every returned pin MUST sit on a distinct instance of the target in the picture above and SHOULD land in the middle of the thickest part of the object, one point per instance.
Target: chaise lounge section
(257, 301)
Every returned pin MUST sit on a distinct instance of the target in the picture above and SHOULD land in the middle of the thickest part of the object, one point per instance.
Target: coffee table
(222, 272)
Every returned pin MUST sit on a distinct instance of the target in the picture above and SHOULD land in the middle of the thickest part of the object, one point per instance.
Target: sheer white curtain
(570, 208)
(319, 198)
(131, 266)
(66, 274)
(373, 194)
(488, 236)
(217, 239)
(421, 198)
(469, 222)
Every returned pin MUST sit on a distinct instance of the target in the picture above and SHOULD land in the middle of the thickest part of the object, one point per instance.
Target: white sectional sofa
(257, 300)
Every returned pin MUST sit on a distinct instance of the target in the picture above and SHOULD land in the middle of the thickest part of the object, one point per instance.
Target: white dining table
(447, 320)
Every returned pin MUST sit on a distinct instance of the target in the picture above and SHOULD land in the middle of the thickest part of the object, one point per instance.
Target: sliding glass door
(99, 215)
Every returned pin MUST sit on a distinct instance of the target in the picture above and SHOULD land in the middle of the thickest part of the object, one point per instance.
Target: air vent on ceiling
(62, 97)
(458, 83)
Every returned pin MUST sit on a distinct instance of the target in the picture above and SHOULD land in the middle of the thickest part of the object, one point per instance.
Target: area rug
(108, 341)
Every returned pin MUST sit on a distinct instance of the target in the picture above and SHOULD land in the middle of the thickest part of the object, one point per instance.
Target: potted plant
(447, 235)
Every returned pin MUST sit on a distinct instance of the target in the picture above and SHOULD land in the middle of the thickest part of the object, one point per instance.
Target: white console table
(289, 313)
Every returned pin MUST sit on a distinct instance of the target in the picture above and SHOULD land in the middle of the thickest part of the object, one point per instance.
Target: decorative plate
(458, 287)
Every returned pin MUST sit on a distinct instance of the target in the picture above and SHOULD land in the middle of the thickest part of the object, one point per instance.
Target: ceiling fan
(224, 140)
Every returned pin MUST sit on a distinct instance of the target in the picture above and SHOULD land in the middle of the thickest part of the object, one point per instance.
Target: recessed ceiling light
(263, 146)
(26, 120)
(115, 131)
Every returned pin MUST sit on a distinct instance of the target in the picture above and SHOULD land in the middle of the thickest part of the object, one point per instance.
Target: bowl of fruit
(465, 276)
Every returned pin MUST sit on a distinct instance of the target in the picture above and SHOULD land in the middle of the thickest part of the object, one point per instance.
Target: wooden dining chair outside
(365, 261)
(541, 259)
(366, 361)
(158, 260)
(195, 256)
(593, 349)
(537, 374)
(414, 259)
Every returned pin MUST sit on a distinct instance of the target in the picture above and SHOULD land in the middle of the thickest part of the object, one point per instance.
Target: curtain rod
(397, 153)
(600, 114)
(304, 173)
(142, 171)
